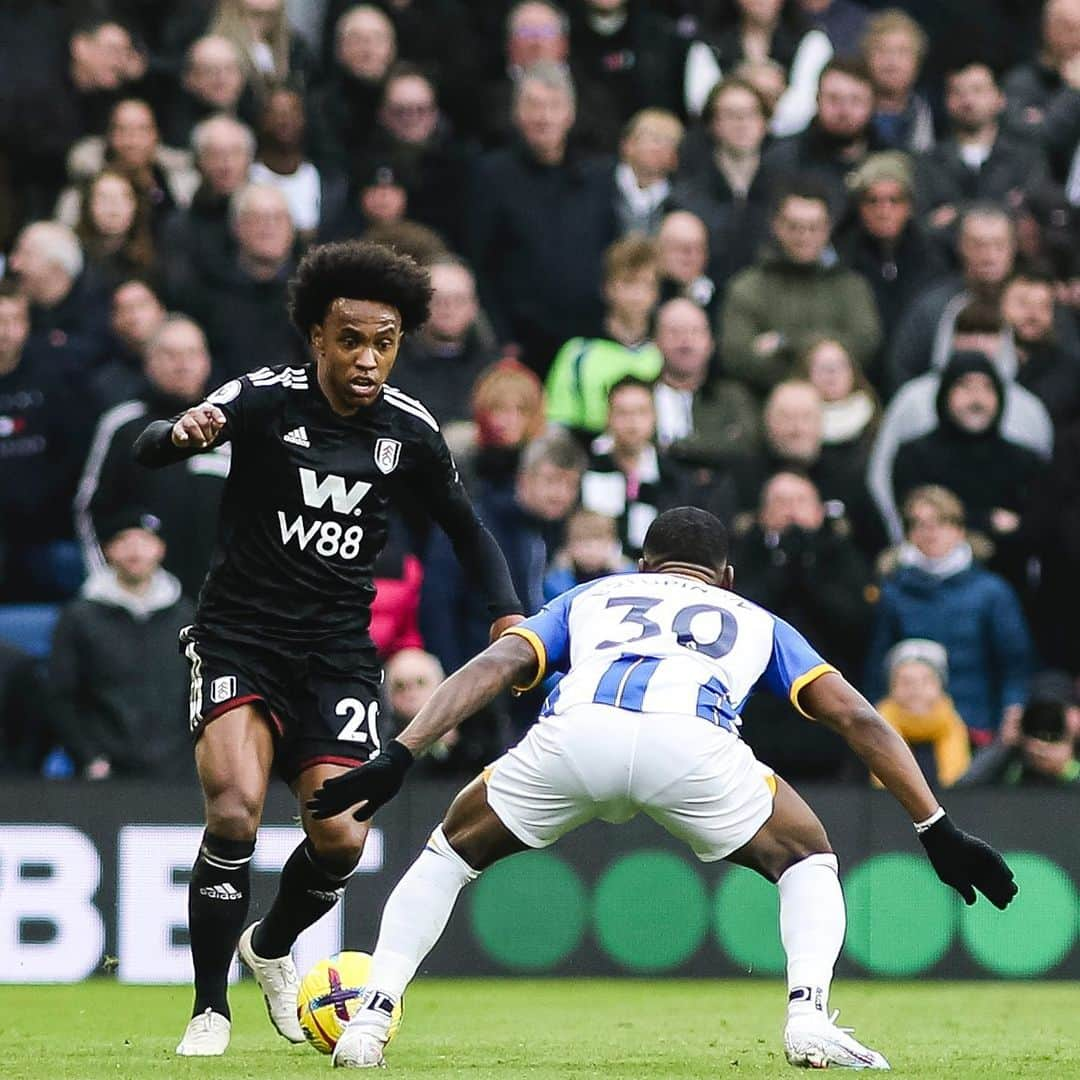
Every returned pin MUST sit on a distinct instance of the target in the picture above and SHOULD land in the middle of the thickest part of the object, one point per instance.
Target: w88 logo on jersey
(327, 538)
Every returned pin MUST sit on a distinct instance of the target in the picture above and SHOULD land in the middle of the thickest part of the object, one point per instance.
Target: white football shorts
(699, 782)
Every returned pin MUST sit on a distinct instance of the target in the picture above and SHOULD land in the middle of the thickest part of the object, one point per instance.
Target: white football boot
(279, 983)
(361, 1043)
(207, 1035)
(813, 1041)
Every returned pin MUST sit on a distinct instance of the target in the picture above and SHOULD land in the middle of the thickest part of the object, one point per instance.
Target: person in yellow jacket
(921, 711)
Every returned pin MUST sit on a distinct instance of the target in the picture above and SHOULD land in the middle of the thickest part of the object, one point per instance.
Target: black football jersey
(305, 508)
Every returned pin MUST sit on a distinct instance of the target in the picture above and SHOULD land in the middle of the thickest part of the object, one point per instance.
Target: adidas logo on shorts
(297, 437)
(222, 892)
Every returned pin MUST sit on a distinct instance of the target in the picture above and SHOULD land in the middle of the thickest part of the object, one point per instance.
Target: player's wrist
(924, 825)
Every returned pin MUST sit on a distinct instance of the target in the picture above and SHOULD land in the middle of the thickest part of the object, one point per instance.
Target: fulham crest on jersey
(387, 454)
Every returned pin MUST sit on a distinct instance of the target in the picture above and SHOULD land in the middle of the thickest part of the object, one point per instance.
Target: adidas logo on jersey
(222, 892)
(297, 437)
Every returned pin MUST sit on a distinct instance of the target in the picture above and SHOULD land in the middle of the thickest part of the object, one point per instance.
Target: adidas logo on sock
(222, 892)
(298, 437)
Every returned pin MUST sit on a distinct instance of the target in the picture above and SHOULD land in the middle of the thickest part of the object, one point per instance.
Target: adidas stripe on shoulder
(410, 405)
(291, 378)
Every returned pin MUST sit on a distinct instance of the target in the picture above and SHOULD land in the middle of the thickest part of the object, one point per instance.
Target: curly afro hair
(358, 270)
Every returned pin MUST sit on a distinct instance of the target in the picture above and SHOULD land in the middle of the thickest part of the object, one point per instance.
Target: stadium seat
(29, 626)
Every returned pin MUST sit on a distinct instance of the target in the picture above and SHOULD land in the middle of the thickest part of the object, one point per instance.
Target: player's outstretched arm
(167, 441)
(510, 661)
(962, 861)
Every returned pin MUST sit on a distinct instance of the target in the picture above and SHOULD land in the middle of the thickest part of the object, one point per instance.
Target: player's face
(356, 347)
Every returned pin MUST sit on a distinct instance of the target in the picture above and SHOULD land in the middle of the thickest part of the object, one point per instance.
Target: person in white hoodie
(119, 686)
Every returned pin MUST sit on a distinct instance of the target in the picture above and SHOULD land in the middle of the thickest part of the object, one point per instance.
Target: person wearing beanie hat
(921, 711)
(119, 686)
(883, 240)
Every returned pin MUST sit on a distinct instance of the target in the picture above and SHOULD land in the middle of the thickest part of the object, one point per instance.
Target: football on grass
(330, 995)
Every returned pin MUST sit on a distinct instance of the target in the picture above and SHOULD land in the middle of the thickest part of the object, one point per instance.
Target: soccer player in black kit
(283, 673)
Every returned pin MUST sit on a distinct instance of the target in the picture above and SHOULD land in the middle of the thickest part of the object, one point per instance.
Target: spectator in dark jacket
(968, 455)
(212, 82)
(66, 304)
(803, 567)
(1046, 367)
(343, 109)
(198, 237)
(184, 499)
(883, 241)
(411, 129)
(978, 161)
(540, 222)
(442, 361)
(720, 177)
(135, 317)
(1046, 88)
(47, 110)
(44, 428)
(120, 687)
(939, 592)
(837, 140)
(625, 57)
(241, 300)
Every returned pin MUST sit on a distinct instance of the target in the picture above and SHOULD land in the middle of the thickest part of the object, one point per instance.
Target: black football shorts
(318, 715)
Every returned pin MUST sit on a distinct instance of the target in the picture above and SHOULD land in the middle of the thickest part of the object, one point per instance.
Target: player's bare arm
(510, 661)
(962, 861)
(834, 702)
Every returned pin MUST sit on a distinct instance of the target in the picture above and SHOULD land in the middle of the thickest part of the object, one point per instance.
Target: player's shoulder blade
(409, 407)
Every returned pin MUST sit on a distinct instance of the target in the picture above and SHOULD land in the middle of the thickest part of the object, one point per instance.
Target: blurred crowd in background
(810, 264)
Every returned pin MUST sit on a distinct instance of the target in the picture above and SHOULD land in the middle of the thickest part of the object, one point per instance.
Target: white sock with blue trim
(416, 914)
(812, 925)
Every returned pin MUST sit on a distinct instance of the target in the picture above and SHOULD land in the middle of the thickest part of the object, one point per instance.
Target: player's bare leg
(469, 840)
(233, 758)
(312, 881)
(793, 850)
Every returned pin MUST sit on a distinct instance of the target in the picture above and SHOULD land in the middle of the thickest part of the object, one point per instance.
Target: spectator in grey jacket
(986, 244)
(119, 683)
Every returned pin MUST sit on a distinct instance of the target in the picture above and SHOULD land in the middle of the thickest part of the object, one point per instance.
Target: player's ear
(315, 336)
(727, 577)
(642, 568)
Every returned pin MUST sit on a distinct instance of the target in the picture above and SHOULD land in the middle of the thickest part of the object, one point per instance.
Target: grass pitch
(565, 1029)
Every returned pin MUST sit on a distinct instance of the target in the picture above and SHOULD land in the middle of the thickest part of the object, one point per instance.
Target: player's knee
(338, 842)
(233, 815)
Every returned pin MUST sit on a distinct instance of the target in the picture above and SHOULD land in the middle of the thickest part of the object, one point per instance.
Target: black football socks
(218, 898)
(308, 889)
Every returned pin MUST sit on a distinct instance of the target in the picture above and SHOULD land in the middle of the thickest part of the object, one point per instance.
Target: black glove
(968, 863)
(373, 784)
